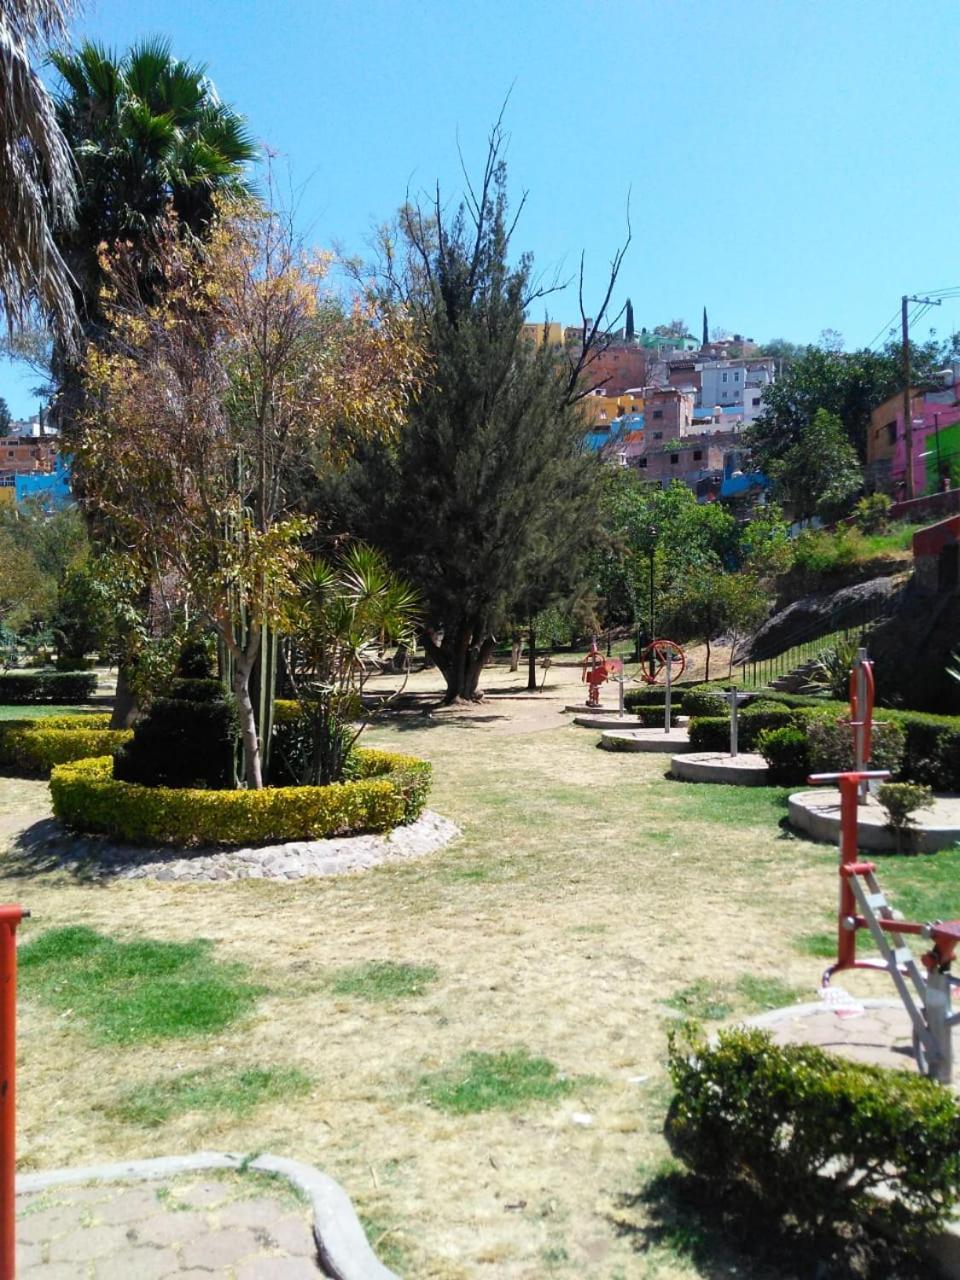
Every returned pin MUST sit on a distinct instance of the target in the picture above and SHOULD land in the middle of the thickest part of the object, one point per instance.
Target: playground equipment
(734, 697)
(657, 657)
(596, 670)
(923, 985)
(863, 906)
(10, 917)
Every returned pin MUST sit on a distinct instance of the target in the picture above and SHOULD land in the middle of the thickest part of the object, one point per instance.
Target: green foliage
(872, 513)
(712, 733)
(180, 742)
(811, 1138)
(227, 1091)
(703, 702)
(130, 992)
(766, 548)
(835, 663)
(830, 743)
(384, 980)
(787, 755)
(489, 1081)
(820, 473)
(901, 800)
(35, 746)
(706, 602)
(654, 696)
(932, 753)
(388, 790)
(66, 688)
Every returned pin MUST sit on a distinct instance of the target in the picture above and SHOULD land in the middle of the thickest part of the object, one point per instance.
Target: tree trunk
(515, 650)
(532, 662)
(248, 723)
(460, 659)
(400, 657)
(126, 707)
(706, 670)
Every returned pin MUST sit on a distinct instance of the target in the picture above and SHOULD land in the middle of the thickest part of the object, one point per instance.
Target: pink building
(931, 414)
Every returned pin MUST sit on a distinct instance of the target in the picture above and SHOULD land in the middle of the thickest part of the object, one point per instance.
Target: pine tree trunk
(706, 670)
(532, 662)
(515, 650)
(460, 660)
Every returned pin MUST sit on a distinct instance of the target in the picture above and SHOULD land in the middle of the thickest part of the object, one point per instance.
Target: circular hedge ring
(385, 790)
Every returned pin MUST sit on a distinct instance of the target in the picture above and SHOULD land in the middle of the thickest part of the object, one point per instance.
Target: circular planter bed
(386, 790)
(35, 746)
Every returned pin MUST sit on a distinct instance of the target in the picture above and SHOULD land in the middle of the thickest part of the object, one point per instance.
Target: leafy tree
(820, 473)
(488, 492)
(849, 385)
(36, 172)
(27, 594)
(674, 329)
(6, 417)
(201, 403)
(708, 602)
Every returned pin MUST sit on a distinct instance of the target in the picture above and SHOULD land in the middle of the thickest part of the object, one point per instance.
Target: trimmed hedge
(386, 790)
(63, 688)
(812, 1138)
(182, 743)
(653, 696)
(35, 746)
(712, 733)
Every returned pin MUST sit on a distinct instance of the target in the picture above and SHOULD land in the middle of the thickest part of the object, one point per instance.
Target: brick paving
(232, 1227)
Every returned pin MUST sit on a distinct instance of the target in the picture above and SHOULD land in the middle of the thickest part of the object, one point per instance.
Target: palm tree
(36, 170)
(147, 130)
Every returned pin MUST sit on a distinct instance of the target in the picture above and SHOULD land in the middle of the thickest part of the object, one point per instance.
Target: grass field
(473, 1044)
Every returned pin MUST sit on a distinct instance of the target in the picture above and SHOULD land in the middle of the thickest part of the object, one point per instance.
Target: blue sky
(790, 163)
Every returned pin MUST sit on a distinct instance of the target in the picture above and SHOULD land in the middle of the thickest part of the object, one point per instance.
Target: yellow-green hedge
(35, 746)
(386, 791)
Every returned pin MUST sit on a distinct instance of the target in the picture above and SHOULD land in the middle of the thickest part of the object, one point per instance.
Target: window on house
(674, 459)
(736, 377)
(698, 455)
(658, 413)
(724, 377)
(9, 453)
(891, 433)
(641, 462)
(756, 402)
(658, 435)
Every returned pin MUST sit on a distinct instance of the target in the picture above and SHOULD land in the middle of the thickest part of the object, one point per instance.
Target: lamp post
(653, 633)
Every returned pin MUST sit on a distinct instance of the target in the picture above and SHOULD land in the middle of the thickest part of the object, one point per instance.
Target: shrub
(386, 790)
(932, 753)
(901, 800)
(653, 696)
(817, 552)
(812, 1137)
(35, 746)
(64, 688)
(181, 742)
(872, 513)
(834, 664)
(703, 702)
(787, 755)
(831, 744)
(712, 733)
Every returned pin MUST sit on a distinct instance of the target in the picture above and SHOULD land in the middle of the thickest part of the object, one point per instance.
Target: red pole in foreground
(10, 917)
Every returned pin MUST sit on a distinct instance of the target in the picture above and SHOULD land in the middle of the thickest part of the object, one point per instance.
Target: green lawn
(472, 1043)
(32, 712)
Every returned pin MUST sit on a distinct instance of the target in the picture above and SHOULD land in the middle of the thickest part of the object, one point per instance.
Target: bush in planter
(66, 688)
(712, 733)
(188, 739)
(386, 790)
(831, 743)
(787, 755)
(812, 1138)
(35, 746)
(932, 752)
(703, 702)
(653, 696)
(901, 800)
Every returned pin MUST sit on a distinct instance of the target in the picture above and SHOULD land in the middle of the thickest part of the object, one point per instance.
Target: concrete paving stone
(219, 1248)
(138, 1264)
(85, 1244)
(29, 1255)
(168, 1228)
(47, 1224)
(264, 1268)
(201, 1195)
(58, 1271)
(263, 1212)
(131, 1205)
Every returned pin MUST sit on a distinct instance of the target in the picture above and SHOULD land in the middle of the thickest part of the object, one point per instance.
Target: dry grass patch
(585, 891)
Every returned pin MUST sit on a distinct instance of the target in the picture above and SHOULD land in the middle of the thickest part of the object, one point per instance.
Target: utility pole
(907, 414)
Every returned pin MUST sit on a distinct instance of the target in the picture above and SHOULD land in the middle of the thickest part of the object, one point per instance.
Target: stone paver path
(229, 1228)
(881, 1035)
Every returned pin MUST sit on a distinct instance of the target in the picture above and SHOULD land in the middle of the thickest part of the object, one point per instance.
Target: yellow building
(552, 330)
(601, 409)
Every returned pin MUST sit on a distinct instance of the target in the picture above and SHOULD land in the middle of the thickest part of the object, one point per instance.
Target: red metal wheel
(654, 658)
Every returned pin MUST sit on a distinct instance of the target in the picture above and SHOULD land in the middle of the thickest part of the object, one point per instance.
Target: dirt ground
(586, 891)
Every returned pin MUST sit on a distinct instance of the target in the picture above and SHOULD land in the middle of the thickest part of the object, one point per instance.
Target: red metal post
(10, 917)
(849, 784)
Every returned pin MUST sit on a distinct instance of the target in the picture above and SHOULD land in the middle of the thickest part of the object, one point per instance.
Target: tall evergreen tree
(488, 496)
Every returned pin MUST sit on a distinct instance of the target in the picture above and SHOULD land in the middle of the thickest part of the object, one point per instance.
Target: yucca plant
(834, 665)
(346, 611)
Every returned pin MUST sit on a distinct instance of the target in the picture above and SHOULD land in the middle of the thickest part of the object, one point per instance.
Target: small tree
(202, 404)
(709, 603)
(820, 474)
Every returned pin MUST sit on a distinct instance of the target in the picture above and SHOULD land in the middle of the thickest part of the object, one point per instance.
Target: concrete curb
(342, 1246)
(644, 740)
(817, 814)
(744, 770)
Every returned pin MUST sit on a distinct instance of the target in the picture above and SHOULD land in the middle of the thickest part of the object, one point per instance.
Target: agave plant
(346, 611)
(835, 662)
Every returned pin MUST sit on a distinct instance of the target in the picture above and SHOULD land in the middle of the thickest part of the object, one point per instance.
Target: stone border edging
(342, 1245)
